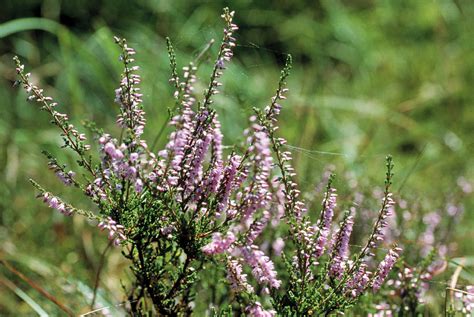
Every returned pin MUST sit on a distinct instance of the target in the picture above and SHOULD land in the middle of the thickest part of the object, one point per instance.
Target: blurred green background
(369, 78)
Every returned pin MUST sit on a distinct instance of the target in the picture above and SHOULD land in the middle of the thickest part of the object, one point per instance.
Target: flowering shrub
(193, 207)
(429, 238)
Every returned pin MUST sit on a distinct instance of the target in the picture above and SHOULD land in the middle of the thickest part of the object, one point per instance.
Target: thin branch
(41, 290)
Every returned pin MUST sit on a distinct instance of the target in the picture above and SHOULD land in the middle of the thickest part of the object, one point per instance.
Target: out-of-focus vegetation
(370, 78)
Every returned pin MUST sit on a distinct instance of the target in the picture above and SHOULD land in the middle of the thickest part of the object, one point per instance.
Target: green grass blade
(27, 299)
(26, 24)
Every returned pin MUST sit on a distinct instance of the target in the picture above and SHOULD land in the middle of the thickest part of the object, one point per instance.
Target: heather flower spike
(193, 209)
(325, 221)
(128, 95)
(116, 231)
(73, 139)
(237, 279)
(67, 177)
(340, 246)
(385, 267)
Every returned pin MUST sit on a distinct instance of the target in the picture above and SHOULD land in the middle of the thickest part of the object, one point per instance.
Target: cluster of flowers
(56, 203)
(467, 298)
(209, 206)
(412, 288)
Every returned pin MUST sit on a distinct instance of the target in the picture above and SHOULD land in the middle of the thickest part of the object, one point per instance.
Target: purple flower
(468, 299)
(465, 185)
(112, 151)
(383, 310)
(324, 225)
(256, 310)
(382, 223)
(257, 227)
(116, 231)
(278, 246)
(66, 178)
(257, 194)
(180, 140)
(96, 190)
(237, 279)
(341, 246)
(262, 267)
(56, 203)
(133, 157)
(219, 244)
(195, 170)
(227, 183)
(216, 170)
(220, 64)
(358, 282)
(385, 267)
(138, 185)
(128, 95)
(53, 202)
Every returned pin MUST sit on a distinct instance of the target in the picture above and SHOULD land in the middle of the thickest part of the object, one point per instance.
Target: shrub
(195, 211)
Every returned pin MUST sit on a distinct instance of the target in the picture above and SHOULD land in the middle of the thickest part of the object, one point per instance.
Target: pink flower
(329, 204)
(385, 267)
(341, 246)
(56, 203)
(237, 279)
(116, 231)
(219, 244)
(358, 282)
(262, 267)
(256, 310)
(227, 183)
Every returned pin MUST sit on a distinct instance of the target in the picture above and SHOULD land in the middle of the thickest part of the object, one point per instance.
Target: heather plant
(197, 206)
(417, 226)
